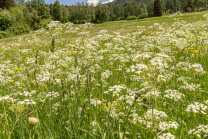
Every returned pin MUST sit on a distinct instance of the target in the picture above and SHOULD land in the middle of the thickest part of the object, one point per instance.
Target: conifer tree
(51, 7)
(92, 13)
(190, 4)
(157, 8)
(167, 6)
(117, 11)
(178, 5)
(163, 2)
(122, 13)
(65, 14)
(171, 6)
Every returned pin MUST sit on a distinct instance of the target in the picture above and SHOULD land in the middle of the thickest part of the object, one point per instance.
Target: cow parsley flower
(174, 94)
(198, 130)
(155, 93)
(106, 74)
(167, 125)
(166, 136)
(157, 115)
(197, 107)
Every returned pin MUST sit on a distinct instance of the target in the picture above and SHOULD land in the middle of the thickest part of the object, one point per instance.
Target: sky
(73, 2)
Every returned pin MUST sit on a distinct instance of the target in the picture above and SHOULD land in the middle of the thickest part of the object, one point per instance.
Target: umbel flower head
(32, 121)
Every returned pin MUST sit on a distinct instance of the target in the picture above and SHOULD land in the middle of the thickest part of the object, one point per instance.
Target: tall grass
(146, 82)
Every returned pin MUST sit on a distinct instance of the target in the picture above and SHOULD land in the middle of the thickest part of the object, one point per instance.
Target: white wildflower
(174, 94)
(106, 74)
(197, 107)
(166, 136)
(157, 115)
(167, 125)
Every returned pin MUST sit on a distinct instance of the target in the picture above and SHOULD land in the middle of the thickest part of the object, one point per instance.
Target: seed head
(138, 94)
(32, 121)
(144, 99)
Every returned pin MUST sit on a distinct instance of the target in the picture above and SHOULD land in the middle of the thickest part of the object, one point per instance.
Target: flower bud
(138, 136)
(145, 106)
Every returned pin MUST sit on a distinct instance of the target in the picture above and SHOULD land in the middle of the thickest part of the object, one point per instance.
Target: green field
(143, 79)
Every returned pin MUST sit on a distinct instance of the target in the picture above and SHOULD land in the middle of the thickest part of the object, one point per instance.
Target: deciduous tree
(150, 7)
(19, 1)
(117, 11)
(143, 8)
(65, 14)
(128, 11)
(5, 19)
(163, 2)
(57, 11)
(183, 5)
(199, 4)
(102, 13)
(6, 4)
(26, 12)
(17, 14)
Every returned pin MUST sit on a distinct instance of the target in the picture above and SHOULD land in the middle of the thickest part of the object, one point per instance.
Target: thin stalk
(128, 118)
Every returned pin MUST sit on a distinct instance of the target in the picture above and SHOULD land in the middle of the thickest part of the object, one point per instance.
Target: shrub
(65, 19)
(4, 33)
(131, 18)
(1, 36)
(97, 21)
(76, 21)
(202, 9)
(151, 15)
(142, 16)
(19, 29)
(43, 23)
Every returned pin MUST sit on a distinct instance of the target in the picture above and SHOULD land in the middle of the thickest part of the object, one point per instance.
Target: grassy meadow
(140, 79)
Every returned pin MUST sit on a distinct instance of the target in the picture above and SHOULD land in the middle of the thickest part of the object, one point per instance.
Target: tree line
(17, 16)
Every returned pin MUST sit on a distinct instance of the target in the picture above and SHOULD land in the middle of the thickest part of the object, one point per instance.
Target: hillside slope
(124, 3)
